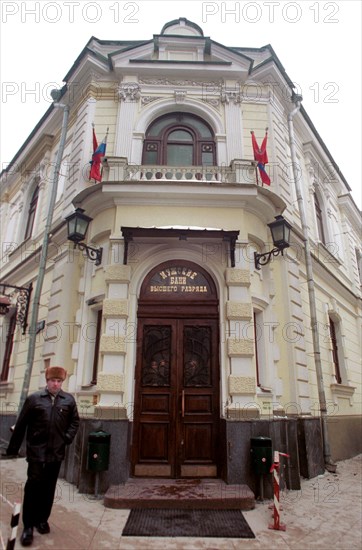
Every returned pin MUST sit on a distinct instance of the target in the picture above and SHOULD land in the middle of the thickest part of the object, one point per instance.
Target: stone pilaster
(241, 380)
(113, 343)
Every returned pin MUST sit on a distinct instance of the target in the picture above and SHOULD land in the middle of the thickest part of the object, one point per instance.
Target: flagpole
(90, 171)
(106, 138)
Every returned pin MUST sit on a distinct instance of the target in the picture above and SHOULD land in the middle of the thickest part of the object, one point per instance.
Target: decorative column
(233, 123)
(129, 95)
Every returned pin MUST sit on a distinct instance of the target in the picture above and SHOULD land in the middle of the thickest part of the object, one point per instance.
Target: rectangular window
(31, 214)
(256, 351)
(337, 370)
(359, 264)
(8, 348)
(319, 217)
(96, 347)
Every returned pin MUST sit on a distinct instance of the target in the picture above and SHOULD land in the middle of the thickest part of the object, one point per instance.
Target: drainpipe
(329, 465)
(56, 94)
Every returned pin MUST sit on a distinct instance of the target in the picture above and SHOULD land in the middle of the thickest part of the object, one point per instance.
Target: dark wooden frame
(160, 142)
(31, 213)
(337, 370)
(161, 405)
(8, 349)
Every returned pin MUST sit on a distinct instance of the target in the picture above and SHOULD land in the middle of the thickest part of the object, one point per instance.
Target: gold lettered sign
(178, 280)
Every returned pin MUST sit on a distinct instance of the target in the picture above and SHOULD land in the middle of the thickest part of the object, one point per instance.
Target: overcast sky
(318, 43)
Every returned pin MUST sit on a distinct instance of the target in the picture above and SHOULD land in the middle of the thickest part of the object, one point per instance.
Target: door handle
(183, 403)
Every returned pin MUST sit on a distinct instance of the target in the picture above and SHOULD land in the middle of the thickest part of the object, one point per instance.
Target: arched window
(31, 213)
(179, 139)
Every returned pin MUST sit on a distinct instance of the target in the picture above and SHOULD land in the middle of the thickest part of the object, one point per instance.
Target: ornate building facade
(178, 342)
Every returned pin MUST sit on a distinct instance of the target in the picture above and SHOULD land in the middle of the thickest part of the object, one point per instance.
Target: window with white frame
(64, 171)
(8, 330)
(359, 264)
(92, 334)
(96, 347)
(33, 205)
(261, 369)
(321, 232)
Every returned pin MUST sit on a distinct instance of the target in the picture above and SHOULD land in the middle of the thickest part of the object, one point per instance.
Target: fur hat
(55, 372)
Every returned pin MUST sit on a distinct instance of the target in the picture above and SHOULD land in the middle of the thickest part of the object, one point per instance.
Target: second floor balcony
(235, 186)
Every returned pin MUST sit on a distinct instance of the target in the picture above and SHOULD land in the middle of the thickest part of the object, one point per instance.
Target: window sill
(6, 387)
(263, 390)
(343, 390)
(325, 252)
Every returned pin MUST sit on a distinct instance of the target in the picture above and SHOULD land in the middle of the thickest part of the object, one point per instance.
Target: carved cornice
(176, 82)
(227, 97)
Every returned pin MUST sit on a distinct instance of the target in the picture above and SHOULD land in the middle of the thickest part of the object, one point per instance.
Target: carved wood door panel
(176, 424)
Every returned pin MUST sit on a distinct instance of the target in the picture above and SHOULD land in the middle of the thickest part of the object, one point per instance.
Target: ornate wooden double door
(176, 423)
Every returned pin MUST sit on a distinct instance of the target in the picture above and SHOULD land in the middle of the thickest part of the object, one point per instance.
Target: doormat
(156, 522)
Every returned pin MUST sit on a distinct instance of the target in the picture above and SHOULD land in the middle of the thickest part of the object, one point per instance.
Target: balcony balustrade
(117, 170)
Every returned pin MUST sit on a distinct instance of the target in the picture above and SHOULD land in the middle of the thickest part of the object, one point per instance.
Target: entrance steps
(179, 493)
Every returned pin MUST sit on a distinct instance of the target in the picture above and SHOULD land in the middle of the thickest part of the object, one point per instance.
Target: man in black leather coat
(50, 419)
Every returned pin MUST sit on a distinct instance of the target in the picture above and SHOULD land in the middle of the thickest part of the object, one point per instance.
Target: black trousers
(39, 492)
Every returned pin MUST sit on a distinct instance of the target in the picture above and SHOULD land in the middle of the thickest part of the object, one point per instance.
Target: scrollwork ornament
(129, 91)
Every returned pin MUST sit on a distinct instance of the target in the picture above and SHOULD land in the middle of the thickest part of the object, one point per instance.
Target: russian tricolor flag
(99, 152)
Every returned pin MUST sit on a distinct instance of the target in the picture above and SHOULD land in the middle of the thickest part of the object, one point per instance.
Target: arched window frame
(155, 149)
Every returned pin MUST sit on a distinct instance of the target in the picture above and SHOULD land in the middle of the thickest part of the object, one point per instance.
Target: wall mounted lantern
(78, 223)
(22, 294)
(280, 230)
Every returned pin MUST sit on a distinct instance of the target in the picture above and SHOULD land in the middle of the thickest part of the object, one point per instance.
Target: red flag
(98, 153)
(261, 156)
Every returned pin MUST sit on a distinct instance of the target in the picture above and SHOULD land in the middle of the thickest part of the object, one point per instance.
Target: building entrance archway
(177, 401)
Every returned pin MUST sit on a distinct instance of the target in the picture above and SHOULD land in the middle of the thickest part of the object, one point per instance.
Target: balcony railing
(178, 173)
(117, 169)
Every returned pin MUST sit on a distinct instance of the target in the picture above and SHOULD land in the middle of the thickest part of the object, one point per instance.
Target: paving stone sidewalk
(326, 513)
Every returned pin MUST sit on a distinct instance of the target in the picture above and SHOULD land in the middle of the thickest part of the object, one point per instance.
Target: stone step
(179, 493)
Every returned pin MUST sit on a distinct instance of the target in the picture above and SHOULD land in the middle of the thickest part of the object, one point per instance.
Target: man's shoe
(26, 538)
(43, 528)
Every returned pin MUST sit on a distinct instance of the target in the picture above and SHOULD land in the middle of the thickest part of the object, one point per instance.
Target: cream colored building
(176, 343)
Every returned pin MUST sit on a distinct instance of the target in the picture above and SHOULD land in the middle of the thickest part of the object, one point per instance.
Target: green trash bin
(99, 444)
(261, 454)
